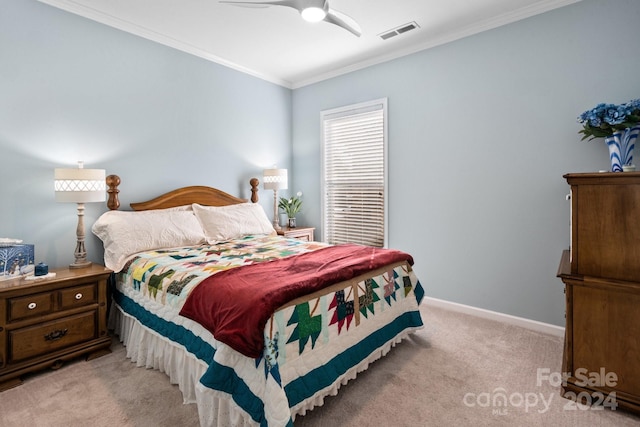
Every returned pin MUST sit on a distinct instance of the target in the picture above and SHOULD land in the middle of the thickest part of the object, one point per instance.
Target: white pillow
(124, 233)
(176, 208)
(229, 222)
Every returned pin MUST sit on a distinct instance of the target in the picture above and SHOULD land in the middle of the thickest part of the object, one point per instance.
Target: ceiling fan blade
(249, 5)
(344, 21)
(332, 16)
(288, 3)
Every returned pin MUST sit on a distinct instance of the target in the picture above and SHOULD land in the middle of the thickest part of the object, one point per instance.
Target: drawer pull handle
(55, 335)
(78, 295)
(32, 305)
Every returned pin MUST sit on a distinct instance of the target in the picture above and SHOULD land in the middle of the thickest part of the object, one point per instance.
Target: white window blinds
(354, 180)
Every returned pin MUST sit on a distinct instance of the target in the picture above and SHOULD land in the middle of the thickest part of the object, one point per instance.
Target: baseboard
(500, 317)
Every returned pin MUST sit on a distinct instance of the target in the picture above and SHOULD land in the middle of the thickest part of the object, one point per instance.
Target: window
(354, 145)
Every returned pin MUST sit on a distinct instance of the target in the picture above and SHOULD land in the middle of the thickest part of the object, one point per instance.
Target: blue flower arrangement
(605, 119)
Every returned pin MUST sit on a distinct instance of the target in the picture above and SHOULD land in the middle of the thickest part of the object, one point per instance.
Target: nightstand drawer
(48, 322)
(79, 296)
(300, 233)
(32, 305)
(47, 337)
(305, 237)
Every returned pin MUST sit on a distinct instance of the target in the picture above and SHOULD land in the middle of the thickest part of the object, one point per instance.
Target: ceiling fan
(311, 11)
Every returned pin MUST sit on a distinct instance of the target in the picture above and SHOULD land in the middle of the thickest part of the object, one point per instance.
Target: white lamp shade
(80, 185)
(275, 179)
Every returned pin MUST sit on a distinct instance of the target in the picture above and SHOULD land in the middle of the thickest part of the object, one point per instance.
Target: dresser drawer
(50, 336)
(78, 296)
(32, 305)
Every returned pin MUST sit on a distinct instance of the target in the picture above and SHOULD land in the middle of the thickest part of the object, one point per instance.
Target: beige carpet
(451, 370)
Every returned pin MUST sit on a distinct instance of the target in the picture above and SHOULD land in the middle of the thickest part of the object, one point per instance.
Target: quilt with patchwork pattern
(312, 345)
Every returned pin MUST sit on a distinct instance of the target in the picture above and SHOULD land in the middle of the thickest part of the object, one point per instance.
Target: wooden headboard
(202, 195)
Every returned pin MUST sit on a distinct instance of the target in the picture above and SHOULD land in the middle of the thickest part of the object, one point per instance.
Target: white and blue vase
(621, 145)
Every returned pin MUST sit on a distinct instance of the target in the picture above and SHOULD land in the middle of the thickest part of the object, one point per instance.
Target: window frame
(348, 110)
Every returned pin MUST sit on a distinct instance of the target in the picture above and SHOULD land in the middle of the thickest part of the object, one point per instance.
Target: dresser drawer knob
(78, 295)
(55, 335)
(32, 305)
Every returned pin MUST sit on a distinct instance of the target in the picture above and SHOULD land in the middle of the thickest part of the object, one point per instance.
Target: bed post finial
(112, 182)
(255, 182)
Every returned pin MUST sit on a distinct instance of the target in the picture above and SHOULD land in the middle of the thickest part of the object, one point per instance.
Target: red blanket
(235, 304)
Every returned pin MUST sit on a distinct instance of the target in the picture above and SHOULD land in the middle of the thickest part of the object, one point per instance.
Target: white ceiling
(275, 44)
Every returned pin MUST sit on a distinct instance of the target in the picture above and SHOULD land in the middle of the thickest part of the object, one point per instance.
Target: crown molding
(135, 29)
(478, 27)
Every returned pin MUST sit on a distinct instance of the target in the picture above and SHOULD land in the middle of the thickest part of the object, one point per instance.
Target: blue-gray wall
(481, 131)
(72, 89)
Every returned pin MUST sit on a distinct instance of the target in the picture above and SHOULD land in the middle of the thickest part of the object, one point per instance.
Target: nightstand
(302, 233)
(46, 322)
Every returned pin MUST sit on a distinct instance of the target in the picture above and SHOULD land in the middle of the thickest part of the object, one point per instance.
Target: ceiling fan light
(313, 14)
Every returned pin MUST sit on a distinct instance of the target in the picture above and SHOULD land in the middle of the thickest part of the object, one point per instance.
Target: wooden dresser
(46, 322)
(601, 274)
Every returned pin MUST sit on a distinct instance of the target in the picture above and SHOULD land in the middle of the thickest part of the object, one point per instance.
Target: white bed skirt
(149, 349)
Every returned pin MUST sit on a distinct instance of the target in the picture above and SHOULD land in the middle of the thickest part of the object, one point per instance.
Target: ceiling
(277, 45)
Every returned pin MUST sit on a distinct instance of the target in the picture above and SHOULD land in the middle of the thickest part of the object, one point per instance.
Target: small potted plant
(291, 206)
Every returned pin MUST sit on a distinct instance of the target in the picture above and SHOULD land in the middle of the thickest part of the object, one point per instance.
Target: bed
(254, 328)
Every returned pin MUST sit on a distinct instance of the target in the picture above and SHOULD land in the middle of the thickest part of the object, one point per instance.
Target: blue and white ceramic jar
(621, 145)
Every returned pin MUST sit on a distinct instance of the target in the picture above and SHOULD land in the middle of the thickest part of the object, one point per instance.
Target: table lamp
(275, 179)
(80, 186)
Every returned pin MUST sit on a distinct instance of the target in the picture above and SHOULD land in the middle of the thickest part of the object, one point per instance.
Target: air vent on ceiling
(400, 30)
